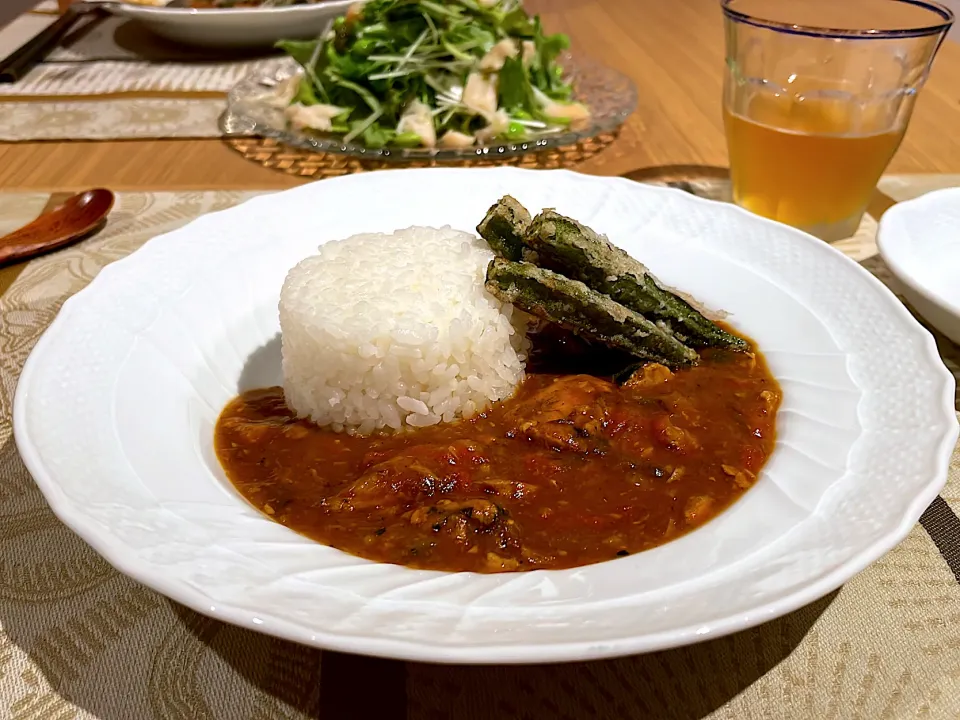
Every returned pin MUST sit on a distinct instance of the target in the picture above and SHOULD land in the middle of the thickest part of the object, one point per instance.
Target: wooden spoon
(76, 218)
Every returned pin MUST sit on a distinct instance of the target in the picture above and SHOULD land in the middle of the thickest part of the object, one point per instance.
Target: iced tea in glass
(817, 97)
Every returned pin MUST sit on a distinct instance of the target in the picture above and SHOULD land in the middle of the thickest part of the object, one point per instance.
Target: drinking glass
(817, 96)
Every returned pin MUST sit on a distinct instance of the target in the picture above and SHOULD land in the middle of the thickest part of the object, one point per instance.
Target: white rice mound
(396, 331)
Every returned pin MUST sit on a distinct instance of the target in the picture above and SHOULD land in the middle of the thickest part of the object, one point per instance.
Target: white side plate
(115, 411)
(234, 27)
(920, 242)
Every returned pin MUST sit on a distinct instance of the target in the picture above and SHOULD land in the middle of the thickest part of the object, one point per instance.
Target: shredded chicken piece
(295, 432)
(400, 478)
(480, 94)
(421, 515)
(483, 511)
(499, 124)
(496, 562)
(528, 52)
(459, 519)
(569, 414)
(417, 119)
(673, 437)
(454, 139)
(250, 431)
(534, 558)
(649, 375)
(316, 117)
(285, 91)
(354, 13)
(675, 474)
(769, 400)
(566, 111)
(480, 511)
(509, 488)
(562, 397)
(696, 506)
(498, 55)
(742, 478)
(504, 488)
(671, 529)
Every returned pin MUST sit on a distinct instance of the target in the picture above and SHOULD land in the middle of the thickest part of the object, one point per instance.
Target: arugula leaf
(559, 89)
(516, 131)
(513, 89)
(549, 47)
(517, 23)
(545, 73)
(305, 94)
(439, 11)
(300, 50)
(407, 139)
(376, 136)
(364, 94)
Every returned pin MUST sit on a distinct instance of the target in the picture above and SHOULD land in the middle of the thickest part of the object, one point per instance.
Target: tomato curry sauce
(571, 470)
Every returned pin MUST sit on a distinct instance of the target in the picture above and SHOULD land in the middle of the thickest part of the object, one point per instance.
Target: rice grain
(397, 331)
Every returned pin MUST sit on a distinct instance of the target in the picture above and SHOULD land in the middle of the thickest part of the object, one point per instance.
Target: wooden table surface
(672, 50)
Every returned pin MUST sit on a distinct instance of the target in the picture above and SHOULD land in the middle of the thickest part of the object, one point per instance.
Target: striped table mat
(79, 640)
(112, 79)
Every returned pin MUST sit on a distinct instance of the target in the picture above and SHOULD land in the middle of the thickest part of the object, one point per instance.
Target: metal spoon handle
(24, 58)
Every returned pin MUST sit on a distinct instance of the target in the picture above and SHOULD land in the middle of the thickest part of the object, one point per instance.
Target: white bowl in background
(920, 242)
(233, 27)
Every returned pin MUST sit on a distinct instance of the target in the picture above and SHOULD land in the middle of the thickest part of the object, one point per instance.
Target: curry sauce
(572, 470)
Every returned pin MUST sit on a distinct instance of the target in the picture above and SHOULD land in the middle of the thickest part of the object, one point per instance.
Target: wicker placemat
(79, 640)
(303, 163)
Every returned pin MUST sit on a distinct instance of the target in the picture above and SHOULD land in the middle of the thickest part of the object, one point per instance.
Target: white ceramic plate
(116, 406)
(234, 27)
(920, 242)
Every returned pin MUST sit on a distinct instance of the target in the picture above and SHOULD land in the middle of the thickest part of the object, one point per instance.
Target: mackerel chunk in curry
(573, 469)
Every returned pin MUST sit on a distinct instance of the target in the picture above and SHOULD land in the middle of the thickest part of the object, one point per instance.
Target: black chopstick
(23, 59)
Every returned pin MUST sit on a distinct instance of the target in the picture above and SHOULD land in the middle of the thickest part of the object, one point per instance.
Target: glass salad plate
(252, 109)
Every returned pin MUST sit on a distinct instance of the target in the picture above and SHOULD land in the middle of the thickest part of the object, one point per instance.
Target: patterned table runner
(79, 640)
(113, 79)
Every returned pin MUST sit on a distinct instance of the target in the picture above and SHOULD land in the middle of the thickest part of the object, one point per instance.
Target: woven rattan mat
(304, 163)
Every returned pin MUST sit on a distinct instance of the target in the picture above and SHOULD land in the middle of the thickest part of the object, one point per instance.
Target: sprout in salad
(426, 73)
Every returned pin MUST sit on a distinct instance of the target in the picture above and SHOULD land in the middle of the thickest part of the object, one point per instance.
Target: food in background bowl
(403, 73)
(225, 25)
(224, 4)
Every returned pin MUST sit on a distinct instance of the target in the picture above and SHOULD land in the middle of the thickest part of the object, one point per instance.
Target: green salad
(431, 73)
